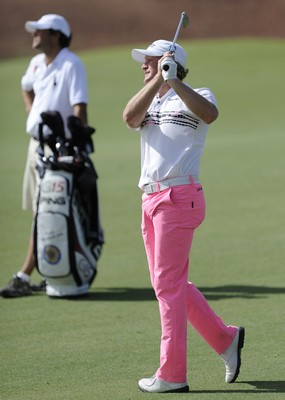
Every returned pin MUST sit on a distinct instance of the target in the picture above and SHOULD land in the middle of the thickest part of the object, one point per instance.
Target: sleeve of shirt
(27, 80)
(208, 94)
(134, 129)
(78, 84)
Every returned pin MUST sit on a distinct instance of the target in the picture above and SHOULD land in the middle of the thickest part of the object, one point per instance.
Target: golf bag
(68, 237)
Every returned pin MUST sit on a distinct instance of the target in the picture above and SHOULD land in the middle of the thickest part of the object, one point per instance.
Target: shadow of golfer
(239, 291)
(258, 387)
(211, 293)
(267, 386)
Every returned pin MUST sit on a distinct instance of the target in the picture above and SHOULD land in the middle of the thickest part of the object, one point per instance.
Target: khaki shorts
(31, 178)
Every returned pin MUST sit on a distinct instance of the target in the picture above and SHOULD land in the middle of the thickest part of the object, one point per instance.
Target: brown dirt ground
(112, 22)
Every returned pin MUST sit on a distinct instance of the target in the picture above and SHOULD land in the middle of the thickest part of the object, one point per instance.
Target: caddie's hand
(168, 67)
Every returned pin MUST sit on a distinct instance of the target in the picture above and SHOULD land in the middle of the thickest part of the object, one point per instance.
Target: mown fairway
(97, 348)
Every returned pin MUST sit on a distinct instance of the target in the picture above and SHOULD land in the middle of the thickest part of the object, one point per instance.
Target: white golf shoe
(155, 385)
(232, 356)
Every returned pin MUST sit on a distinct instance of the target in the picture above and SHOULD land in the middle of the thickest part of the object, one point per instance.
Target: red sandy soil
(112, 22)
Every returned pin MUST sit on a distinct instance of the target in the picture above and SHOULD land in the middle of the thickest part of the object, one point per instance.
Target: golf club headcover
(169, 68)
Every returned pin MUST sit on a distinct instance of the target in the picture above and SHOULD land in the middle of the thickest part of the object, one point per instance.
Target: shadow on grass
(258, 387)
(239, 291)
(213, 293)
(267, 386)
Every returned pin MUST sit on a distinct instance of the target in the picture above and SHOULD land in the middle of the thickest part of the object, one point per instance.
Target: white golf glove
(169, 68)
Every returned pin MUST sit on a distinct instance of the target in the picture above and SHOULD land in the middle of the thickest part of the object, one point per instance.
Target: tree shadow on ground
(211, 293)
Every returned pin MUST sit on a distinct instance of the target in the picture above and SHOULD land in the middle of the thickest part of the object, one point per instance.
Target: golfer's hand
(168, 67)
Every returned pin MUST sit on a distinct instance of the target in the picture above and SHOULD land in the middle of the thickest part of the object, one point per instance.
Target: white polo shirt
(172, 138)
(57, 87)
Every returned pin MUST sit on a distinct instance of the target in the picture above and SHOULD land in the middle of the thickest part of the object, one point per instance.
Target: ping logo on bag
(53, 200)
(54, 195)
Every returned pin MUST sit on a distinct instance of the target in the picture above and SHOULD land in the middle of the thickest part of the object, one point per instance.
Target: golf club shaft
(172, 47)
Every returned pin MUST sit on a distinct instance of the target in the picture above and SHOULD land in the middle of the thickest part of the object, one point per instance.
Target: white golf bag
(67, 233)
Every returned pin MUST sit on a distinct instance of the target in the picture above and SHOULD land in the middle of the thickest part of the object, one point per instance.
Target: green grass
(99, 347)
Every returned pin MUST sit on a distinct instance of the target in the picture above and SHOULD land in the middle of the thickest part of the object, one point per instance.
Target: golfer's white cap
(49, 21)
(158, 48)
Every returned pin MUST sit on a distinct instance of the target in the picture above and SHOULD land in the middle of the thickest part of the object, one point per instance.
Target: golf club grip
(172, 50)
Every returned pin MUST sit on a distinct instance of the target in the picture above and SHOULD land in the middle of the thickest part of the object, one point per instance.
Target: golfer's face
(150, 68)
(40, 39)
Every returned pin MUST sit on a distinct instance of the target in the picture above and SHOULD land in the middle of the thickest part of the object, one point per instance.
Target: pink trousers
(169, 219)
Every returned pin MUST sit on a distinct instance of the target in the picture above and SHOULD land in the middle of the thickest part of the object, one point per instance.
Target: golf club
(184, 21)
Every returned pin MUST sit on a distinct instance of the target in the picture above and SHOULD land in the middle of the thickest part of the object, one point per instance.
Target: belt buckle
(148, 189)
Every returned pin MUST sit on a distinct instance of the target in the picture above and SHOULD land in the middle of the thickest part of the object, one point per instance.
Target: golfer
(173, 119)
(54, 81)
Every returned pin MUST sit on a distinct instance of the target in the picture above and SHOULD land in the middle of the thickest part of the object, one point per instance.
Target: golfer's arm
(137, 107)
(80, 111)
(28, 98)
(200, 106)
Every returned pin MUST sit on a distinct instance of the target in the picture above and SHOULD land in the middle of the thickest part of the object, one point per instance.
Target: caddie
(54, 81)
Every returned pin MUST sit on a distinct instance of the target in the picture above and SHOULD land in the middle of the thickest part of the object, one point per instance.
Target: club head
(185, 20)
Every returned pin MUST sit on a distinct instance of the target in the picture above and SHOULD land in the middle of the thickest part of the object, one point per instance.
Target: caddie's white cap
(49, 21)
(158, 48)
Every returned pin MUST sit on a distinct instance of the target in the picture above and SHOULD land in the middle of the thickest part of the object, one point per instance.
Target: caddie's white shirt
(57, 87)
(172, 138)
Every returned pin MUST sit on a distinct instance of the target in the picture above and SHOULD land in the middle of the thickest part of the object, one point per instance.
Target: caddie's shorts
(31, 177)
